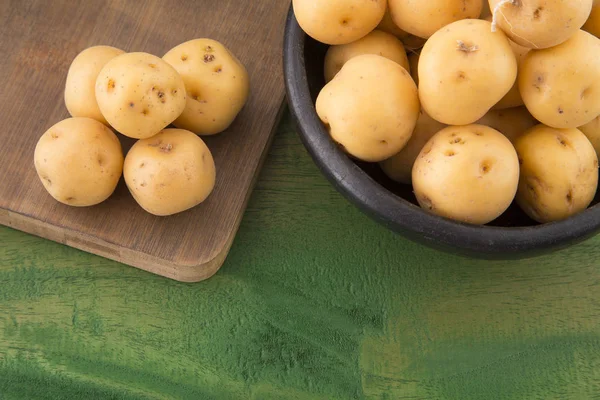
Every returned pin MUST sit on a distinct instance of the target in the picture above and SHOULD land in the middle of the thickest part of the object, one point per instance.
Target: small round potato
(467, 173)
(559, 173)
(593, 23)
(425, 17)
(139, 94)
(216, 82)
(513, 97)
(399, 167)
(464, 70)
(80, 97)
(411, 42)
(539, 24)
(592, 131)
(376, 42)
(79, 161)
(170, 172)
(370, 107)
(338, 21)
(511, 122)
(561, 85)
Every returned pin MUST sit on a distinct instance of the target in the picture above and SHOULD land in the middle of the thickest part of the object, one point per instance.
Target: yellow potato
(80, 97)
(592, 131)
(370, 107)
(338, 21)
(79, 161)
(411, 42)
(376, 42)
(424, 18)
(592, 25)
(413, 62)
(466, 173)
(561, 85)
(513, 97)
(464, 70)
(559, 173)
(139, 94)
(539, 24)
(216, 82)
(511, 122)
(170, 172)
(399, 167)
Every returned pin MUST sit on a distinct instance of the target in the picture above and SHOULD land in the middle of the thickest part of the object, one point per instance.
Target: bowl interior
(314, 56)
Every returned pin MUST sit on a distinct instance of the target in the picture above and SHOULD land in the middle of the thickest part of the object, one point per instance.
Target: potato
(216, 82)
(592, 25)
(411, 42)
(79, 161)
(399, 167)
(539, 24)
(370, 108)
(592, 131)
(513, 97)
(486, 12)
(338, 21)
(413, 62)
(424, 18)
(561, 85)
(139, 94)
(170, 172)
(80, 97)
(467, 173)
(559, 173)
(511, 122)
(376, 42)
(464, 70)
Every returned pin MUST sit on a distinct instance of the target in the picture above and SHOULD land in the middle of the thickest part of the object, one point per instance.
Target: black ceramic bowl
(511, 236)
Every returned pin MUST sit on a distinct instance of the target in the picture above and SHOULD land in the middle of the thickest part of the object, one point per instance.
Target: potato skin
(592, 131)
(466, 173)
(399, 167)
(80, 97)
(455, 70)
(559, 173)
(170, 172)
(371, 107)
(376, 42)
(411, 42)
(592, 25)
(338, 21)
(540, 24)
(79, 161)
(511, 122)
(216, 82)
(424, 18)
(561, 85)
(139, 94)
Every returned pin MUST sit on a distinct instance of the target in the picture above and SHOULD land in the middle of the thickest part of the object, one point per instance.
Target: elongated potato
(376, 42)
(540, 24)
(466, 173)
(399, 167)
(216, 82)
(561, 85)
(79, 161)
(511, 122)
(139, 94)
(424, 18)
(464, 70)
(338, 21)
(370, 107)
(592, 131)
(80, 97)
(559, 173)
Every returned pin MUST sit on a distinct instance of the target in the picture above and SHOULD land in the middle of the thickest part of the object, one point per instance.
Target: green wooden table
(315, 301)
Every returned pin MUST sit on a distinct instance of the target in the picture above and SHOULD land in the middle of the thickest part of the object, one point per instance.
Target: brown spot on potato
(69, 199)
(142, 165)
(47, 180)
(450, 153)
(145, 111)
(461, 76)
(174, 92)
(570, 197)
(184, 57)
(560, 110)
(485, 167)
(383, 142)
(466, 47)
(110, 86)
(54, 135)
(166, 148)
(152, 65)
(563, 142)
(218, 69)
(478, 133)
(209, 58)
(100, 160)
(539, 81)
(426, 203)
(208, 49)
(143, 184)
(586, 92)
(131, 104)
(457, 140)
(344, 22)
(538, 12)
(161, 96)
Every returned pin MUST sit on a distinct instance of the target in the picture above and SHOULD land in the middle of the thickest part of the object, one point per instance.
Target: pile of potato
(199, 87)
(475, 104)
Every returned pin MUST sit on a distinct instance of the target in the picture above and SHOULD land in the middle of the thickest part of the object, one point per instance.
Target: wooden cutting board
(38, 41)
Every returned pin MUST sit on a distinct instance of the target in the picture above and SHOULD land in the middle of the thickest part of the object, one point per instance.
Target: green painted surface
(315, 301)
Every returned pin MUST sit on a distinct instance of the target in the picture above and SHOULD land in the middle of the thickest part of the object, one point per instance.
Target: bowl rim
(397, 213)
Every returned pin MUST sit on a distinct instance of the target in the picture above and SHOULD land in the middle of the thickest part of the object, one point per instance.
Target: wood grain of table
(315, 301)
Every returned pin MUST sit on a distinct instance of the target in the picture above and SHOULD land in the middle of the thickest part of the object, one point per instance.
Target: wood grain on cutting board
(40, 39)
